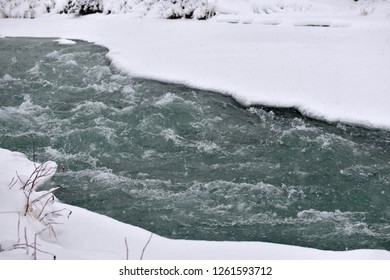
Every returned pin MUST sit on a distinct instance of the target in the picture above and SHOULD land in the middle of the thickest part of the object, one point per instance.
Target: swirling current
(191, 164)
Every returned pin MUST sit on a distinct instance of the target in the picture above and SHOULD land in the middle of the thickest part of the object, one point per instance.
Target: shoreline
(319, 71)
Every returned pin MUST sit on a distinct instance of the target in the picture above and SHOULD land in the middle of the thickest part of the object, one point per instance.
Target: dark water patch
(191, 164)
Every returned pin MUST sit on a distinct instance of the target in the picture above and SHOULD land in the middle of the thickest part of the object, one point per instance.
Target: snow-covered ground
(87, 235)
(330, 59)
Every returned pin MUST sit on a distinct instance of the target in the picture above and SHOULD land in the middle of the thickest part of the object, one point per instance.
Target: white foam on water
(167, 98)
(170, 134)
(148, 153)
(206, 122)
(53, 55)
(35, 70)
(27, 107)
(313, 215)
(8, 78)
(98, 72)
(60, 155)
(89, 107)
(128, 89)
(66, 58)
(365, 171)
(203, 145)
(104, 87)
(206, 146)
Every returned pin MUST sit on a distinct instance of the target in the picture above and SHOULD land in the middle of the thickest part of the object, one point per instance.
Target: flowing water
(192, 164)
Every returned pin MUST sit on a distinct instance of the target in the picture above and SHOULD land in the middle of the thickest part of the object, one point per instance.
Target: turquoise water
(191, 164)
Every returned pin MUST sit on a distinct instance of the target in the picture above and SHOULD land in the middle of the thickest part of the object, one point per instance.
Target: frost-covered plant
(171, 9)
(41, 172)
(84, 7)
(36, 213)
(17, 9)
(198, 9)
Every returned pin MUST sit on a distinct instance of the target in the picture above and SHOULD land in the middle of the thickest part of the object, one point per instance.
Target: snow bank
(87, 235)
(329, 66)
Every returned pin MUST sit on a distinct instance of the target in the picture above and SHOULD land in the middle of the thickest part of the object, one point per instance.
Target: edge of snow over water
(87, 235)
(330, 64)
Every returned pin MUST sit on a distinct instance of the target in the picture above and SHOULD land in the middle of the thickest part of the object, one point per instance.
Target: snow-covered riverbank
(329, 63)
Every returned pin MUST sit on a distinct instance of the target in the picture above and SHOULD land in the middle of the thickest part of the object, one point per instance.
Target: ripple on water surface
(187, 163)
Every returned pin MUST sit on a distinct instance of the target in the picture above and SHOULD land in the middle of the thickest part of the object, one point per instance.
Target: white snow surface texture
(328, 58)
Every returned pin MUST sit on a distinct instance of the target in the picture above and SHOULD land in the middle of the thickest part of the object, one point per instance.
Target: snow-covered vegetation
(32, 211)
(173, 9)
(199, 9)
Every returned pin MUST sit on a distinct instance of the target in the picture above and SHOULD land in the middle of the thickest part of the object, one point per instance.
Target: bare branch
(50, 199)
(56, 211)
(12, 183)
(146, 245)
(127, 249)
(35, 243)
(18, 229)
(25, 239)
(34, 206)
(28, 187)
(24, 246)
(45, 194)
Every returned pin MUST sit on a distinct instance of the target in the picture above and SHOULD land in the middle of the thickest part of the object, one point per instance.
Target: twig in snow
(12, 183)
(146, 245)
(52, 212)
(40, 172)
(127, 249)
(25, 239)
(18, 227)
(25, 246)
(50, 199)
